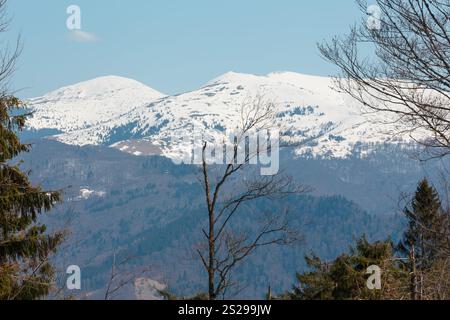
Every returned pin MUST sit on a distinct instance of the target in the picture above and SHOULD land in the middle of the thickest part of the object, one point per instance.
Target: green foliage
(417, 268)
(345, 278)
(427, 234)
(25, 245)
(426, 245)
(315, 285)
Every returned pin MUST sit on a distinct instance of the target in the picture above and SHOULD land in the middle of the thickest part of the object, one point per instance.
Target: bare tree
(407, 76)
(407, 73)
(229, 190)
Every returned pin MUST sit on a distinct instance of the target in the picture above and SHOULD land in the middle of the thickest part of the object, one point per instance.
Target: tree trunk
(211, 235)
(412, 258)
(211, 269)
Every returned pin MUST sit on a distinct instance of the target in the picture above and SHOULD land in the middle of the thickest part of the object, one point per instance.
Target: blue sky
(173, 45)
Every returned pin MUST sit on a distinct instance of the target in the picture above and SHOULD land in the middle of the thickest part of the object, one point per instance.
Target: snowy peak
(232, 76)
(120, 112)
(282, 87)
(89, 104)
(274, 77)
(98, 87)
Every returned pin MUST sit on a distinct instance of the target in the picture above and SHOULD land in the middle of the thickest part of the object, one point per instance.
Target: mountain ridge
(326, 122)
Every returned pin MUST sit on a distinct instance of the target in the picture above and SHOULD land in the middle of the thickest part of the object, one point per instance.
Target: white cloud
(82, 36)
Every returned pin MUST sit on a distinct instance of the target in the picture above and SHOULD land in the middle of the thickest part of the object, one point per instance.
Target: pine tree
(316, 284)
(345, 278)
(25, 245)
(424, 219)
(426, 237)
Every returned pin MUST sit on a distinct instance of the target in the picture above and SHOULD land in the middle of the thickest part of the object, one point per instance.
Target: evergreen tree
(426, 240)
(424, 233)
(25, 245)
(418, 268)
(346, 277)
(316, 284)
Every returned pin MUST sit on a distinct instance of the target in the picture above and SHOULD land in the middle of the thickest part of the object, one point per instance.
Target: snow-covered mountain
(101, 103)
(128, 115)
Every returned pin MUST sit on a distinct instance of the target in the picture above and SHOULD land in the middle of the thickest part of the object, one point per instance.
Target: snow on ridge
(306, 105)
(93, 103)
(96, 87)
